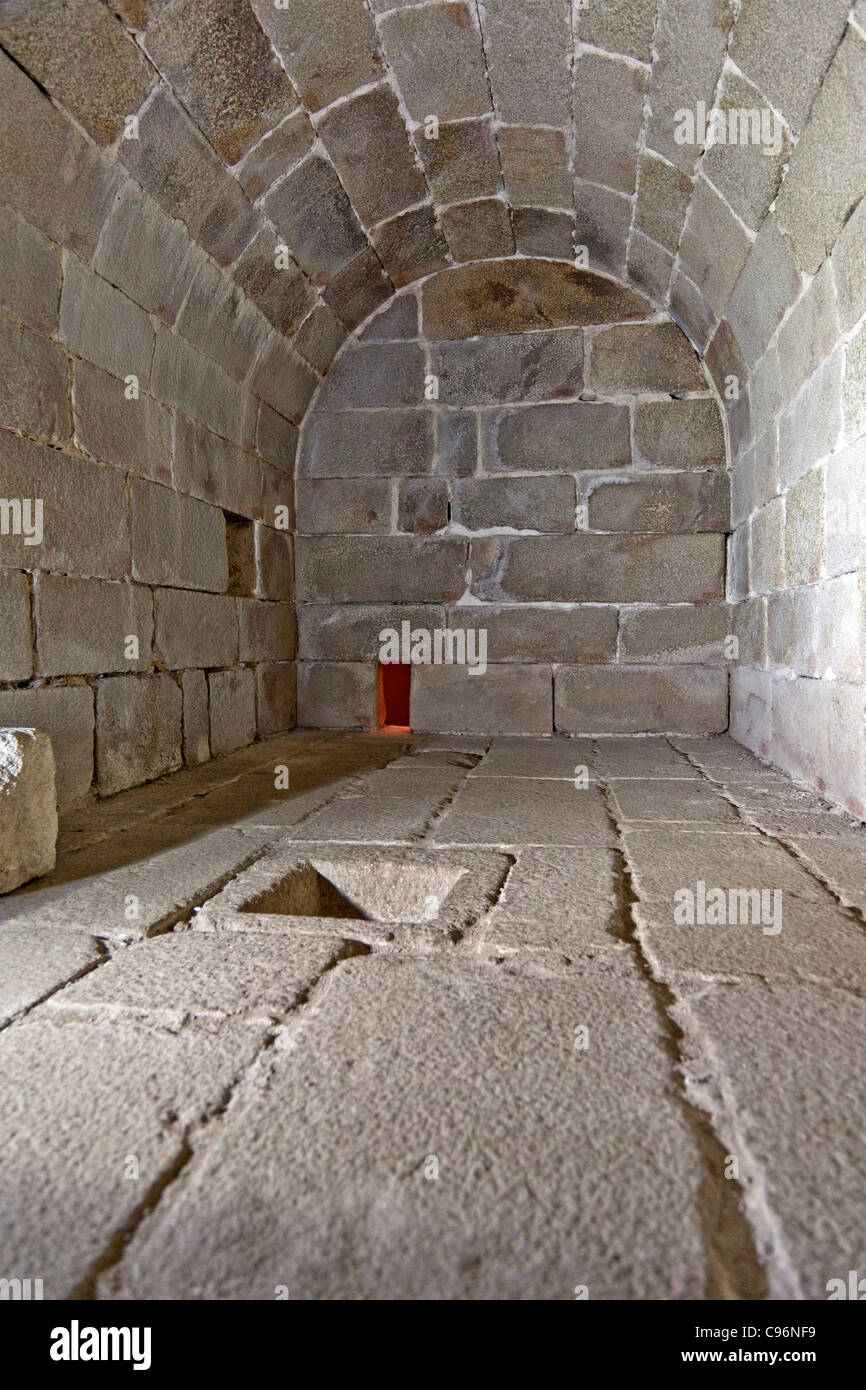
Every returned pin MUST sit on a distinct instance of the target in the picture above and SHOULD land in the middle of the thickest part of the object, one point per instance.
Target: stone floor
(425, 1025)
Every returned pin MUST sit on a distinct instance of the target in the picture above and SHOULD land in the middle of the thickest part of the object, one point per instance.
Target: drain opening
(377, 890)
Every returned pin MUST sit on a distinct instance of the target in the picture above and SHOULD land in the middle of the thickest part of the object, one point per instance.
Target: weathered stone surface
(691, 310)
(172, 160)
(99, 323)
(663, 197)
(84, 625)
(846, 510)
(768, 287)
(232, 705)
(515, 296)
(524, 504)
(679, 434)
(28, 825)
(379, 569)
(311, 209)
(357, 444)
(747, 174)
(16, 656)
(344, 505)
(807, 336)
(366, 133)
(41, 152)
(812, 425)
(27, 976)
(456, 443)
(849, 269)
(176, 540)
(196, 725)
(462, 162)
(145, 253)
(608, 112)
(33, 393)
(509, 367)
(805, 529)
(267, 631)
(224, 70)
(276, 438)
(88, 63)
(194, 629)
(337, 695)
(437, 55)
(358, 289)
(479, 229)
(411, 245)
(221, 323)
(320, 337)
(535, 165)
(854, 394)
(528, 55)
(395, 323)
(649, 269)
(185, 378)
(65, 714)
(276, 697)
(276, 285)
(138, 730)
(678, 634)
(505, 811)
(556, 437)
(130, 434)
(714, 246)
(664, 502)
(751, 709)
(351, 633)
(74, 489)
(539, 232)
(275, 565)
(640, 700)
(277, 152)
(622, 26)
(645, 357)
(690, 43)
(210, 468)
(375, 374)
(602, 223)
(521, 632)
(31, 285)
(422, 505)
(328, 46)
(502, 700)
(283, 379)
(768, 547)
(761, 47)
(592, 568)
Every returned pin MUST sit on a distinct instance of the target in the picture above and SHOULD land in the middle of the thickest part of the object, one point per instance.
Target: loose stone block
(85, 625)
(515, 296)
(133, 435)
(463, 162)
(478, 229)
(411, 245)
(437, 55)
(226, 73)
(320, 337)
(16, 655)
(367, 133)
(195, 629)
(640, 700)
(138, 730)
(358, 289)
(336, 505)
(232, 701)
(509, 367)
(337, 633)
(666, 502)
(589, 568)
(338, 695)
(88, 63)
(679, 634)
(172, 160)
(176, 540)
(311, 209)
(146, 254)
(538, 232)
(556, 437)
(40, 152)
(28, 824)
(535, 165)
(375, 374)
(196, 730)
(422, 505)
(276, 697)
(65, 714)
(502, 700)
(524, 504)
(72, 492)
(31, 285)
(267, 631)
(33, 391)
(645, 357)
(275, 563)
(329, 47)
(356, 444)
(608, 113)
(99, 323)
(379, 569)
(522, 632)
(679, 434)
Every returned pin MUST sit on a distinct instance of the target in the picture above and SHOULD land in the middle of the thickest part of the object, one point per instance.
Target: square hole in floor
(377, 890)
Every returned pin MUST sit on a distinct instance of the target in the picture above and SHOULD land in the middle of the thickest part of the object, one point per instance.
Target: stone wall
(565, 492)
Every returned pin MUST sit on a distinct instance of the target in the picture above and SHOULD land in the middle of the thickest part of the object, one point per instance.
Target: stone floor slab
(28, 972)
(525, 811)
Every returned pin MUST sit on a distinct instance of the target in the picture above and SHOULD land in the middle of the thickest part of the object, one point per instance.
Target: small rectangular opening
(394, 686)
